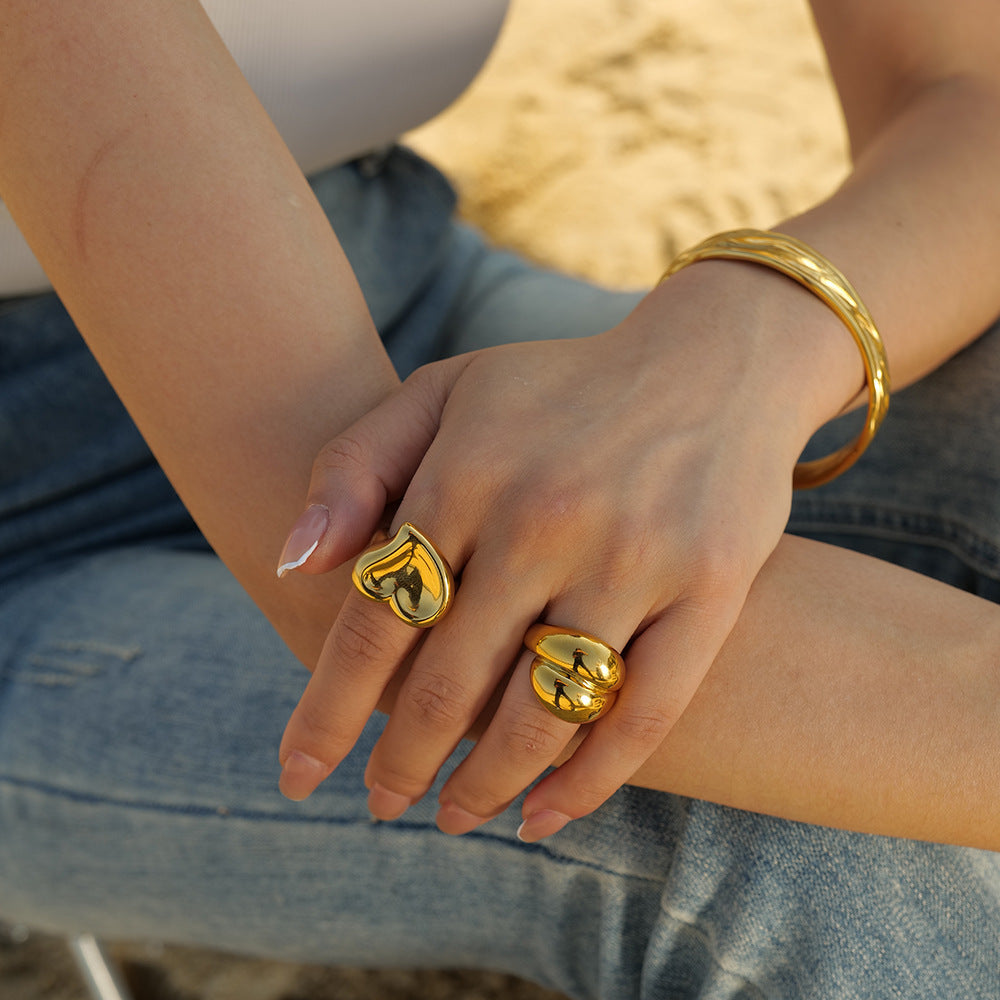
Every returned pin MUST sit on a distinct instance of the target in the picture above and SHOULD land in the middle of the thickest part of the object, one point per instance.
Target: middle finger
(456, 672)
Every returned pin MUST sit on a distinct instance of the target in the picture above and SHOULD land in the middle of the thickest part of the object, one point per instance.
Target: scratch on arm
(84, 190)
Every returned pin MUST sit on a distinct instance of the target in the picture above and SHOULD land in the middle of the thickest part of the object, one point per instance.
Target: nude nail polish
(300, 775)
(304, 538)
(456, 820)
(541, 824)
(383, 804)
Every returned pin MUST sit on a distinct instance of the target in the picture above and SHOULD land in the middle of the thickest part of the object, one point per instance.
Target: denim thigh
(142, 698)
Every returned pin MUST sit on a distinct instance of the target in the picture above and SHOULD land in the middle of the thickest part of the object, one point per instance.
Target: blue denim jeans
(142, 698)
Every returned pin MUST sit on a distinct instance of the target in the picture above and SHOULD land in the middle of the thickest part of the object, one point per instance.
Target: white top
(338, 78)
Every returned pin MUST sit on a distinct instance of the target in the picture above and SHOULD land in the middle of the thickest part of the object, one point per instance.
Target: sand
(601, 138)
(605, 136)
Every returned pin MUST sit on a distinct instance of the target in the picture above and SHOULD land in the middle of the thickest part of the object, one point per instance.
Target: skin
(166, 209)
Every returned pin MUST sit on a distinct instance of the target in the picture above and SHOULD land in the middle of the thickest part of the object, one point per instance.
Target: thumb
(358, 473)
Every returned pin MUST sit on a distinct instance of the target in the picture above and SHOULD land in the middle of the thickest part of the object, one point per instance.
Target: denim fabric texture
(142, 698)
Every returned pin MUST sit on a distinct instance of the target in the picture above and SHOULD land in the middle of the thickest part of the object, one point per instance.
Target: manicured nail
(456, 820)
(383, 804)
(300, 776)
(541, 824)
(304, 538)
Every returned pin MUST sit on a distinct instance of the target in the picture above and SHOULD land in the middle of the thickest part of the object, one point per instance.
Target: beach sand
(601, 138)
(604, 137)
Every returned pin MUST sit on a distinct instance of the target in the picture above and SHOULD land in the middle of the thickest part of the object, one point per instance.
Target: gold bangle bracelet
(810, 269)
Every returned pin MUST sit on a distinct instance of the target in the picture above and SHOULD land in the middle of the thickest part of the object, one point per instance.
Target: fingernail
(456, 820)
(300, 775)
(383, 804)
(541, 824)
(303, 539)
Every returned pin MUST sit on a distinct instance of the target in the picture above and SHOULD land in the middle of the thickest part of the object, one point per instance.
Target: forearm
(853, 694)
(197, 264)
(915, 225)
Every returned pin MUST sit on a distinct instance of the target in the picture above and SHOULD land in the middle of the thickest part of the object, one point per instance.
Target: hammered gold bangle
(810, 269)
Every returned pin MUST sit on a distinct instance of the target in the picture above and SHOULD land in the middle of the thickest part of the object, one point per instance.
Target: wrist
(806, 365)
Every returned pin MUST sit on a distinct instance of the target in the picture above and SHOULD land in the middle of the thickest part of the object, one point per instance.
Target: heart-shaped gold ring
(575, 675)
(408, 573)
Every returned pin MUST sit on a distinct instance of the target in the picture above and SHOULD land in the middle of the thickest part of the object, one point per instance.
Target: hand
(629, 485)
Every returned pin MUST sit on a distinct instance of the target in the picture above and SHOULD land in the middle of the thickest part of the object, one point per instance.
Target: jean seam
(905, 525)
(220, 811)
(562, 859)
(225, 811)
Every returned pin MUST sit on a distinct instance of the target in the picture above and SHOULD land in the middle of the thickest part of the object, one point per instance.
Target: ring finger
(453, 677)
(524, 737)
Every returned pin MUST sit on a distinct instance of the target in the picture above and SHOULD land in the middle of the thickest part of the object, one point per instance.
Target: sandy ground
(605, 136)
(601, 138)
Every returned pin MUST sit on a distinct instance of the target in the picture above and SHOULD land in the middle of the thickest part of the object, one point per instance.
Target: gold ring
(410, 574)
(574, 674)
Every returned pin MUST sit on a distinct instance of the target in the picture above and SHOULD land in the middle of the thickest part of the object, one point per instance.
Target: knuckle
(626, 564)
(481, 798)
(455, 492)
(344, 453)
(439, 701)
(423, 391)
(318, 733)
(643, 730)
(551, 502)
(479, 801)
(720, 568)
(538, 518)
(582, 794)
(357, 637)
(560, 501)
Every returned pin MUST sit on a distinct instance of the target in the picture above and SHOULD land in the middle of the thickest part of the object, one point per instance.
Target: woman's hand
(628, 485)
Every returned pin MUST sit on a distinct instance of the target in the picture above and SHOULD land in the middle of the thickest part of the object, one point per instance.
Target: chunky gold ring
(574, 674)
(410, 574)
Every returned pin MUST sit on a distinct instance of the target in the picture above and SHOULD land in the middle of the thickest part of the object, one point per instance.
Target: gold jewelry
(574, 674)
(409, 573)
(813, 271)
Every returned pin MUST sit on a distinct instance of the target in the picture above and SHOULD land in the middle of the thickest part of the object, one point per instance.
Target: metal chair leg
(99, 972)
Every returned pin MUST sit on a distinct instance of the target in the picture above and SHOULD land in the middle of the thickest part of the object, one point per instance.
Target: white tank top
(338, 78)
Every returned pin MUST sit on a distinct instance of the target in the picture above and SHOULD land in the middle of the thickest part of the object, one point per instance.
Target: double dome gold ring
(574, 674)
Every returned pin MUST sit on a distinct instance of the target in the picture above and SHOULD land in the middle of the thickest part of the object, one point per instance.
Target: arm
(192, 255)
(851, 693)
(555, 479)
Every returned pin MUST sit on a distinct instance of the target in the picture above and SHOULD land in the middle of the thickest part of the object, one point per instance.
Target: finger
(665, 665)
(360, 471)
(363, 650)
(452, 678)
(524, 738)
